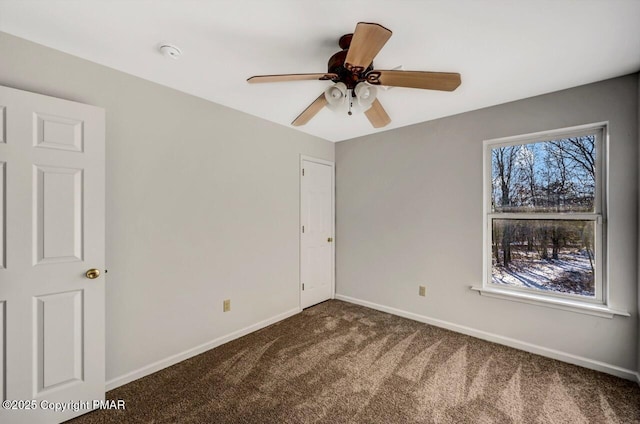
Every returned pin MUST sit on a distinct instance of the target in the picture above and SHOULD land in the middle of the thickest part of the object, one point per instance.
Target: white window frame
(598, 305)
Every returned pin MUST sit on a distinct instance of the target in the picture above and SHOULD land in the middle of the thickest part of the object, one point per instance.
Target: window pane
(546, 255)
(546, 176)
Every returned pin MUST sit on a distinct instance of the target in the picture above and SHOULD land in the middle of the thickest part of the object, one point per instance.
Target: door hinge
(303, 228)
(303, 172)
(303, 286)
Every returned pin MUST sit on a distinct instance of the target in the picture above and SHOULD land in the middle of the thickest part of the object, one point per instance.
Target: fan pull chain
(350, 98)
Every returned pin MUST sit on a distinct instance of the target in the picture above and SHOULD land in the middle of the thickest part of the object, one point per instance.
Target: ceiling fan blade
(377, 115)
(291, 77)
(310, 111)
(367, 41)
(444, 81)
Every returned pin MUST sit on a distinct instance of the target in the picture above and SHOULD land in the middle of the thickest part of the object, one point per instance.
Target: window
(545, 211)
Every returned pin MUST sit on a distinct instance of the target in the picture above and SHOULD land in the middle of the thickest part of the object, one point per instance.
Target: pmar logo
(109, 404)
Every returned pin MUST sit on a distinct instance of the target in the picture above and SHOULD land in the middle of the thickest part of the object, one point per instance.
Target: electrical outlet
(422, 291)
(226, 305)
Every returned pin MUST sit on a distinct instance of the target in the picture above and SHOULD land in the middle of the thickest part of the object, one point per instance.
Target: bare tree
(581, 150)
(526, 176)
(579, 154)
(504, 160)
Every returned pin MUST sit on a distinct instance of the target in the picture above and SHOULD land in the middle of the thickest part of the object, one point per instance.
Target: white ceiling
(504, 50)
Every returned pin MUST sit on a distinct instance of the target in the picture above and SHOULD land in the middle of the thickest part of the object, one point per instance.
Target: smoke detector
(169, 50)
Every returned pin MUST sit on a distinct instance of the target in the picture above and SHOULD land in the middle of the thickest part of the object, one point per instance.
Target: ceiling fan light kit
(341, 99)
(356, 80)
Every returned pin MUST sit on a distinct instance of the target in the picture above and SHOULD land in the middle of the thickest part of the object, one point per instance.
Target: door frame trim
(333, 223)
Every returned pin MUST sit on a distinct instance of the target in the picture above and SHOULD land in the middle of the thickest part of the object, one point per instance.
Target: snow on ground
(571, 274)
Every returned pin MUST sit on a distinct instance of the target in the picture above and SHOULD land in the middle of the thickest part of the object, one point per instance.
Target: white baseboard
(507, 341)
(174, 359)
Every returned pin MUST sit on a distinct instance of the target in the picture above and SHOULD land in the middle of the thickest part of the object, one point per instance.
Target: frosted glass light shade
(365, 94)
(336, 96)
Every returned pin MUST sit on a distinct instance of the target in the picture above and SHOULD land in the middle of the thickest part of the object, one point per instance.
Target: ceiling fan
(351, 69)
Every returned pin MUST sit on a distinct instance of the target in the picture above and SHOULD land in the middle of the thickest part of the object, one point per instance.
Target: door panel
(2, 350)
(58, 214)
(2, 126)
(53, 159)
(3, 222)
(59, 339)
(316, 265)
(56, 132)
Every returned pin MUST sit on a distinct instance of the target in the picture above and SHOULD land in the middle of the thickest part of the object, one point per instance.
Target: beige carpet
(342, 363)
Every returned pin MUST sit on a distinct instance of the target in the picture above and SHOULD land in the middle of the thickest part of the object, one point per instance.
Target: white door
(51, 234)
(317, 233)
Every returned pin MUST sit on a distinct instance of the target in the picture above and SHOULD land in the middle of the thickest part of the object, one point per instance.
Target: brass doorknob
(92, 274)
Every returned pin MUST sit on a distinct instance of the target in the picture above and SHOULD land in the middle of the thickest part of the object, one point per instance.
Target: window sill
(565, 305)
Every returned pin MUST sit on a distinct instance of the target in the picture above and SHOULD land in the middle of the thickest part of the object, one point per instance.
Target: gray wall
(409, 212)
(202, 205)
